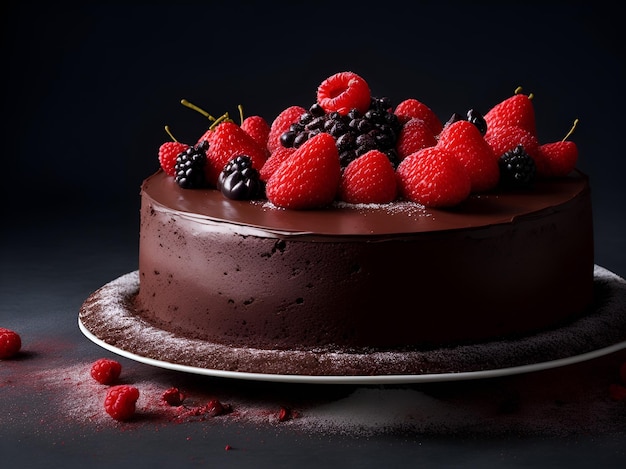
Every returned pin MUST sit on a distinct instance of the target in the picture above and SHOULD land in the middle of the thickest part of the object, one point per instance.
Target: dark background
(86, 91)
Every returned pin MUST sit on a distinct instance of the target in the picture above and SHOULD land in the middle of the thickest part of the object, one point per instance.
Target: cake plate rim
(113, 294)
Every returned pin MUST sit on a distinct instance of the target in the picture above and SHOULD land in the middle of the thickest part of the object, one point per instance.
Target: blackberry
(355, 133)
(239, 180)
(189, 166)
(474, 117)
(478, 120)
(517, 169)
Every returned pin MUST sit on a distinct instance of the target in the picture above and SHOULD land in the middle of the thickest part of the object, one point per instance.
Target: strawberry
(106, 371)
(369, 179)
(10, 343)
(309, 178)
(518, 110)
(411, 108)
(257, 128)
(558, 158)
(343, 92)
(465, 142)
(506, 138)
(227, 141)
(414, 135)
(120, 401)
(281, 124)
(433, 177)
(274, 161)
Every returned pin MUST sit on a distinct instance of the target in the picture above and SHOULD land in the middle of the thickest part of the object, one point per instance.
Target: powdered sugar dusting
(108, 315)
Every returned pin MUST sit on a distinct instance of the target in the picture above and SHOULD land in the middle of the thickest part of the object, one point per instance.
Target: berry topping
(257, 128)
(343, 92)
(309, 178)
(503, 139)
(168, 153)
(518, 111)
(228, 141)
(106, 371)
(478, 120)
(10, 343)
(558, 158)
(414, 136)
(274, 161)
(120, 401)
(369, 179)
(517, 169)
(411, 108)
(239, 180)
(433, 177)
(190, 167)
(463, 140)
(281, 124)
(173, 397)
(355, 133)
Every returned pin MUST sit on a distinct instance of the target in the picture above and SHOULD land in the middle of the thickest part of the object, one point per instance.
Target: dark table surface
(87, 90)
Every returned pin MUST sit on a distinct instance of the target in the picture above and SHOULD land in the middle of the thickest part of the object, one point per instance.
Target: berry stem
(518, 90)
(186, 103)
(571, 131)
(222, 118)
(240, 107)
(167, 129)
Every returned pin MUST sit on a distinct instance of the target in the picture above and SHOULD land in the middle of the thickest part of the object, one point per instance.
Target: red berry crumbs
(284, 414)
(173, 397)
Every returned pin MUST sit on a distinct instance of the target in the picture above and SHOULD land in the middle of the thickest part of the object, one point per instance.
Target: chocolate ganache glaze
(393, 276)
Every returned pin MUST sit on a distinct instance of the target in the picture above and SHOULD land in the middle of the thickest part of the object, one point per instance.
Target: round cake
(282, 236)
(384, 276)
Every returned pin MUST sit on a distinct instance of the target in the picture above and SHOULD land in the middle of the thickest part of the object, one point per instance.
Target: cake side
(500, 265)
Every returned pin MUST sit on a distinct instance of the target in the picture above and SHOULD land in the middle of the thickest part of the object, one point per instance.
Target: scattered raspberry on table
(10, 343)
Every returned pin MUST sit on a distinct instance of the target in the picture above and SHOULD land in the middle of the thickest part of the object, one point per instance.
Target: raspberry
(168, 152)
(558, 158)
(413, 109)
(516, 111)
(414, 136)
(343, 92)
(309, 178)
(464, 140)
(228, 141)
(120, 401)
(433, 177)
(370, 179)
(281, 124)
(257, 128)
(106, 371)
(10, 343)
(173, 397)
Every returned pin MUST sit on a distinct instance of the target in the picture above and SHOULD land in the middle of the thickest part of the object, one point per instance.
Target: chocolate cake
(355, 228)
(390, 276)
